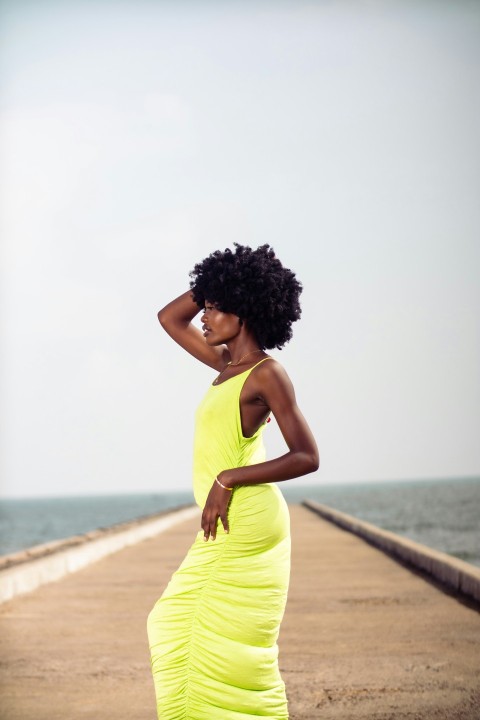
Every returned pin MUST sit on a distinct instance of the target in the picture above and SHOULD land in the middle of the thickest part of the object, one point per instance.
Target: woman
(213, 633)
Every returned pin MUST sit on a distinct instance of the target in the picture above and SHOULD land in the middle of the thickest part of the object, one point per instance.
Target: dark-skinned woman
(213, 633)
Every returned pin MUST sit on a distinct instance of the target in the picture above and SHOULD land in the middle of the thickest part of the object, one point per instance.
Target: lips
(206, 330)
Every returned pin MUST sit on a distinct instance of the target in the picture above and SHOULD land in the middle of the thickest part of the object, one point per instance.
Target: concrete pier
(455, 574)
(363, 636)
(29, 569)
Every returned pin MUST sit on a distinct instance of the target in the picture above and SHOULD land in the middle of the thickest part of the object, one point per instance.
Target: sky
(138, 137)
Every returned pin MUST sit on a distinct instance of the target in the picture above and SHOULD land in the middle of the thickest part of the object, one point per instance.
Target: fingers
(216, 507)
(224, 519)
(210, 523)
(209, 530)
(205, 526)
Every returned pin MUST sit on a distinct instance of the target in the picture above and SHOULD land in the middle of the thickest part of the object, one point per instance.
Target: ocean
(444, 514)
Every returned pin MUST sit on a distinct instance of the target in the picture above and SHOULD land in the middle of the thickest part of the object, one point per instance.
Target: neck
(239, 351)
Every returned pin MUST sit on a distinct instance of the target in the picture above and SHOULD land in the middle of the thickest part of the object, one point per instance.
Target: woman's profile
(213, 633)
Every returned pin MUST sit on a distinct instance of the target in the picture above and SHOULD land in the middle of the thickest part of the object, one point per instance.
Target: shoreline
(28, 569)
(439, 514)
(449, 571)
(52, 546)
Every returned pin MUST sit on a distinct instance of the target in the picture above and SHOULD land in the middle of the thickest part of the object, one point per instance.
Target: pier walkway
(363, 637)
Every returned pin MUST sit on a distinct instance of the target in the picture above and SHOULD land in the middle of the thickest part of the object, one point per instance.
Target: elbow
(314, 462)
(162, 316)
(310, 462)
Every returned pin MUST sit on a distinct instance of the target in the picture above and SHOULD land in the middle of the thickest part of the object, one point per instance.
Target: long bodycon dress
(213, 633)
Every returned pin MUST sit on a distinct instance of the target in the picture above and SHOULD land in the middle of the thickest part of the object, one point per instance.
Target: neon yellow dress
(213, 633)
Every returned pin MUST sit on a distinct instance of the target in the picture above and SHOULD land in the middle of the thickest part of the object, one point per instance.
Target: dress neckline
(269, 357)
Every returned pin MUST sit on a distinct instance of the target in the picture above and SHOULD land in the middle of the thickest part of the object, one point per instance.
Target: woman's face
(219, 327)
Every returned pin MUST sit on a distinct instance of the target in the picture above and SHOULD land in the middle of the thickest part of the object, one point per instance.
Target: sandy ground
(363, 637)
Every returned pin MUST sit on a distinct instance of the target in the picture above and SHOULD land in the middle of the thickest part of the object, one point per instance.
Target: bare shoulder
(271, 377)
(272, 368)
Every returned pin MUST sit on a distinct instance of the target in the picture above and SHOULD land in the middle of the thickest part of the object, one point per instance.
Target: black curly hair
(254, 285)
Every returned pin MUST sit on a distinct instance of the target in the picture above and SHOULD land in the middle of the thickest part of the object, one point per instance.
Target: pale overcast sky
(137, 137)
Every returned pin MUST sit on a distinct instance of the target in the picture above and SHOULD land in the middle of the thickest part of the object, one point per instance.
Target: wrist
(223, 480)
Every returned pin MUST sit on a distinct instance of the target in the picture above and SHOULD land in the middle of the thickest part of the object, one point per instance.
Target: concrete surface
(29, 569)
(363, 637)
(456, 574)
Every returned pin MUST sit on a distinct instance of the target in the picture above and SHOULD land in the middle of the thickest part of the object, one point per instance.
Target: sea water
(444, 514)
(33, 521)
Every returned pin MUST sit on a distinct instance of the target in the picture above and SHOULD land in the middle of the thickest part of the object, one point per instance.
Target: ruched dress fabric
(213, 633)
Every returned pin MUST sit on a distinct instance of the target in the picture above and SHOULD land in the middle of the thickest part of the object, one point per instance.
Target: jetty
(366, 636)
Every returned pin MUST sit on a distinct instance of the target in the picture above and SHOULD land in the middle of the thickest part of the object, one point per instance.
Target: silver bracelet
(224, 486)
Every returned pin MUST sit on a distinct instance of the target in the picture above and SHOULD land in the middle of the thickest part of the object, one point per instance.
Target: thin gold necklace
(243, 357)
(232, 364)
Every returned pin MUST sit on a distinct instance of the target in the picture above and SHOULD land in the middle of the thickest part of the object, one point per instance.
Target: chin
(212, 341)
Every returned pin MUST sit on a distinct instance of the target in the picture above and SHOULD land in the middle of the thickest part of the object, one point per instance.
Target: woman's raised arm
(176, 319)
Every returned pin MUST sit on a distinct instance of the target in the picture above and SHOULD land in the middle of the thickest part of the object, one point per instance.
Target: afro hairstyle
(254, 285)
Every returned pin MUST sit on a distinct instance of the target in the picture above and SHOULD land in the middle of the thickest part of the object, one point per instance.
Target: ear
(240, 322)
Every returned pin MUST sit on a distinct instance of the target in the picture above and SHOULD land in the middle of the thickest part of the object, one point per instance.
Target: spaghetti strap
(269, 357)
(240, 374)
